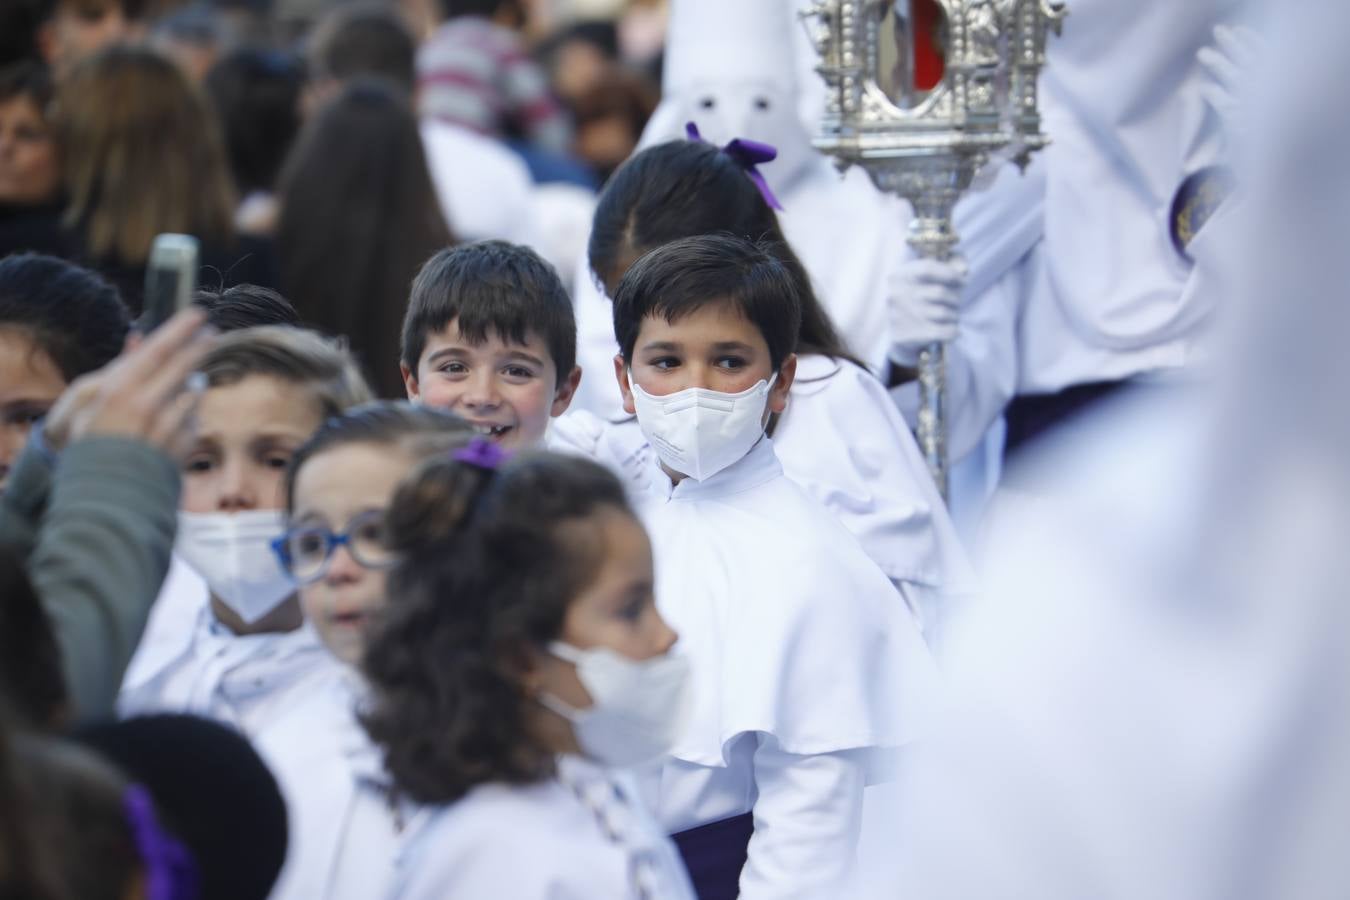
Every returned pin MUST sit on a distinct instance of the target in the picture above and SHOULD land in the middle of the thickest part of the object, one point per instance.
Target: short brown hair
(296, 355)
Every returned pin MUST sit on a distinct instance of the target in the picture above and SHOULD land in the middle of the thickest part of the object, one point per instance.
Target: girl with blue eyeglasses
(344, 823)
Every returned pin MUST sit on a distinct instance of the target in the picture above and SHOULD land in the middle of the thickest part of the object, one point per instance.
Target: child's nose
(482, 392)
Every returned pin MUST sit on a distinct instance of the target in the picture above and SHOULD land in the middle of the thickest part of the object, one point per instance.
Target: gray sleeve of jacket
(23, 502)
(100, 558)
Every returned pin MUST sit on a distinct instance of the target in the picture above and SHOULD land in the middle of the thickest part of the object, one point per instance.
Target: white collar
(757, 467)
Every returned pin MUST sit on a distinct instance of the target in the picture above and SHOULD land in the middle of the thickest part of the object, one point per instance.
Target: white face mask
(698, 432)
(233, 553)
(639, 707)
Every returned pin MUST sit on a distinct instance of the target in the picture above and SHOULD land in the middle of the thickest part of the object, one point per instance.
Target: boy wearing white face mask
(804, 661)
(520, 654)
(246, 651)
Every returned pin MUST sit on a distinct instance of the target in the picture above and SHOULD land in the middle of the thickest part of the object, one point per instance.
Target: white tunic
(248, 681)
(579, 836)
(844, 442)
(804, 665)
(1121, 99)
(343, 826)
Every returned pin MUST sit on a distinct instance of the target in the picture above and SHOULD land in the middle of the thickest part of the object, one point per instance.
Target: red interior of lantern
(926, 16)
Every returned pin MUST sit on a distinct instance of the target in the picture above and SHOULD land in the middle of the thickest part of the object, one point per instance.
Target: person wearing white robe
(1123, 101)
(840, 437)
(805, 664)
(248, 681)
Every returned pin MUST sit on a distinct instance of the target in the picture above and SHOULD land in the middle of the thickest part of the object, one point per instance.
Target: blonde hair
(296, 355)
(142, 155)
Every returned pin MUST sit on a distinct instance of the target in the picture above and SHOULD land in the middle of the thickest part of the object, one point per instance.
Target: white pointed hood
(731, 67)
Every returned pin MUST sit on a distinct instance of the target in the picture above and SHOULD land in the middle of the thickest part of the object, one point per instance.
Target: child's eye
(634, 610)
(276, 461)
(665, 362)
(731, 362)
(454, 368)
(517, 372)
(198, 464)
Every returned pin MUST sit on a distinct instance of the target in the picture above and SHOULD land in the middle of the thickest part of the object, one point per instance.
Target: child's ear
(778, 391)
(409, 381)
(621, 375)
(567, 389)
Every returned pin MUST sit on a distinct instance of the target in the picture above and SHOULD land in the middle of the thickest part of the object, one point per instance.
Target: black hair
(71, 314)
(20, 21)
(422, 430)
(214, 793)
(257, 95)
(680, 189)
(364, 40)
(359, 216)
(245, 306)
(31, 678)
(491, 287)
(490, 562)
(683, 276)
(27, 79)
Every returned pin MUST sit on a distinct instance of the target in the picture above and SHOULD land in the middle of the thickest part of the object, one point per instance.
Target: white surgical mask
(233, 553)
(698, 432)
(639, 707)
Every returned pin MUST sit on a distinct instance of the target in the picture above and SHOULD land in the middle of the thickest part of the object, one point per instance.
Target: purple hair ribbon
(482, 453)
(170, 871)
(748, 155)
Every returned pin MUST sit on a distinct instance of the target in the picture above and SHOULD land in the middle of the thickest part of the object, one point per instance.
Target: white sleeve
(807, 820)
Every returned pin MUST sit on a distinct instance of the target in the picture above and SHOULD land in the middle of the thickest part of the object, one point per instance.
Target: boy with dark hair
(806, 661)
(245, 306)
(489, 334)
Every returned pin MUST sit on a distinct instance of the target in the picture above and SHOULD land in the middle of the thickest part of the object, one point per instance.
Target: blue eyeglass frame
(331, 542)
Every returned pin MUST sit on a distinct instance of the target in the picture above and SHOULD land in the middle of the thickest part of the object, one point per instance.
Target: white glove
(1229, 61)
(925, 304)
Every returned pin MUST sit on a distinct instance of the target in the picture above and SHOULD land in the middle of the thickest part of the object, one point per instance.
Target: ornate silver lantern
(923, 94)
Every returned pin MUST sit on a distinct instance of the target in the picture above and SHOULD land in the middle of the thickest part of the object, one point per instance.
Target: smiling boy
(490, 335)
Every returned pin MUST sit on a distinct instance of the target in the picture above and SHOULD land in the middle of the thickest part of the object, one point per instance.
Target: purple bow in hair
(482, 453)
(170, 871)
(748, 155)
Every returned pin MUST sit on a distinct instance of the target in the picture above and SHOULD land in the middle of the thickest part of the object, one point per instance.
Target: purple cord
(748, 155)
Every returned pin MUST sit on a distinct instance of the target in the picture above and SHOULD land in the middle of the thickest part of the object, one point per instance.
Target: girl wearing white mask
(520, 656)
(227, 639)
(343, 826)
(840, 436)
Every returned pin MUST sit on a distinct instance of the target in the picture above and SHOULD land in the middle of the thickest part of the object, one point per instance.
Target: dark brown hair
(359, 216)
(491, 560)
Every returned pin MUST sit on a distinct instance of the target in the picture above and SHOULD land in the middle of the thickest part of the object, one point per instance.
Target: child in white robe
(248, 653)
(521, 654)
(805, 665)
(840, 436)
(344, 826)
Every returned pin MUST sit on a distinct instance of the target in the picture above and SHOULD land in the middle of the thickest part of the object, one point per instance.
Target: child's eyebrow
(664, 346)
(447, 352)
(522, 356)
(723, 346)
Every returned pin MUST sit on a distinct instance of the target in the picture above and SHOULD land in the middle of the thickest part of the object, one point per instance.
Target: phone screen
(170, 278)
